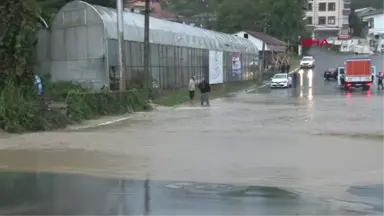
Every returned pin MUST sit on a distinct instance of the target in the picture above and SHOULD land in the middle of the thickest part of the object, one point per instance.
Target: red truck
(358, 73)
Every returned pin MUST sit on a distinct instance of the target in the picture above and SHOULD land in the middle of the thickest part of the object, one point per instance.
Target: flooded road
(315, 144)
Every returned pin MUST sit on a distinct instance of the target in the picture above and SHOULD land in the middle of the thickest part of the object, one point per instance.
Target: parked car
(281, 80)
(332, 73)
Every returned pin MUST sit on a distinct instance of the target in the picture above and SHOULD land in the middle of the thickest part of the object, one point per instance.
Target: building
(273, 46)
(375, 23)
(138, 6)
(83, 48)
(328, 17)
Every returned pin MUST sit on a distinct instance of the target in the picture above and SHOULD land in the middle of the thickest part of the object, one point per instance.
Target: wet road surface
(315, 141)
(68, 194)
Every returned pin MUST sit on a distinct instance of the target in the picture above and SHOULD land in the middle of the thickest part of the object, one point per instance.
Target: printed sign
(236, 65)
(216, 72)
(311, 42)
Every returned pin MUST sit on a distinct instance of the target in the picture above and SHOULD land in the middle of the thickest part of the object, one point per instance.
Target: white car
(307, 62)
(281, 80)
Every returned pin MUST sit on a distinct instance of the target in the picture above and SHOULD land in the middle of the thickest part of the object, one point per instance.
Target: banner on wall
(216, 72)
(236, 64)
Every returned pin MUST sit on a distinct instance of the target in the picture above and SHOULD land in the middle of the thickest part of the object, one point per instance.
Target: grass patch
(180, 96)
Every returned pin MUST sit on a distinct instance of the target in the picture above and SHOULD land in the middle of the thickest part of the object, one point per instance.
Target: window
(309, 20)
(331, 20)
(322, 20)
(331, 6)
(310, 7)
(322, 6)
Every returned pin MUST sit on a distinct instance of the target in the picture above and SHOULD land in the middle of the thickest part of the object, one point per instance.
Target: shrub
(20, 111)
(82, 106)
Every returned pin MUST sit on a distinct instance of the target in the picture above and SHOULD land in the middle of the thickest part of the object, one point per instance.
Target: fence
(172, 66)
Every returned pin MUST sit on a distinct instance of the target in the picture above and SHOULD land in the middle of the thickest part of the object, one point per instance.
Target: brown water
(314, 141)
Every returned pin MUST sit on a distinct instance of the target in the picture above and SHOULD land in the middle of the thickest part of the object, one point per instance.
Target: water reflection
(63, 194)
(301, 73)
(310, 94)
(358, 93)
(310, 78)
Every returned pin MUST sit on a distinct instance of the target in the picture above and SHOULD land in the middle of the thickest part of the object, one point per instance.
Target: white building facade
(328, 15)
(375, 31)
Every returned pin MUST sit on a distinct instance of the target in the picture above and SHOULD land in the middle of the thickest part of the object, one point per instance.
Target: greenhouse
(83, 48)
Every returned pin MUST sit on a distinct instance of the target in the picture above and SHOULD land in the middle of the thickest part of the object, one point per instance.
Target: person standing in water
(380, 81)
(191, 88)
(205, 89)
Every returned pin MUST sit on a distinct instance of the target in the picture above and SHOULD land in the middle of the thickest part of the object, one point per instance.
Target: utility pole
(265, 29)
(120, 40)
(147, 50)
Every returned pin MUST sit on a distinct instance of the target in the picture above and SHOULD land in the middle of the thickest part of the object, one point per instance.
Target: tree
(49, 8)
(355, 23)
(285, 17)
(189, 8)
(367, 3)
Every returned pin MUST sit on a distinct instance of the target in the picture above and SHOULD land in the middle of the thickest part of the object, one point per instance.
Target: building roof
(161, 31)
(267, 38)
(364, 9)
(373, 13)
(272, 42)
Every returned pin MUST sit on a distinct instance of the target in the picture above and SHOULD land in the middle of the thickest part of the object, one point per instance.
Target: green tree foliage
(285, 17)
(189, 8)
(367, 3)
(18, 26)
(355, 23)
(50, 7)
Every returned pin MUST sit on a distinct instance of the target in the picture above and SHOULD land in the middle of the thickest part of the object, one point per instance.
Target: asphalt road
(309, 150)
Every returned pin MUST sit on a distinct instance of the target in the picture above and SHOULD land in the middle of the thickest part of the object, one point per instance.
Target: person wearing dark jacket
(294, 80)
(205, 89)
(380, 81)
(282, 68)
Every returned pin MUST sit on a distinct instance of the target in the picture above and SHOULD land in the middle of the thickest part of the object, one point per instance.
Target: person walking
(283, 68)
(191, 88)
(380, 81)
(205, 89)
(294, 80)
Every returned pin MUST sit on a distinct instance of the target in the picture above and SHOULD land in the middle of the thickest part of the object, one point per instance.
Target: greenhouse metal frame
(83, 48)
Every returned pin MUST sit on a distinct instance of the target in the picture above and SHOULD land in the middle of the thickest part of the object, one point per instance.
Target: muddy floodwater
(313, 149)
